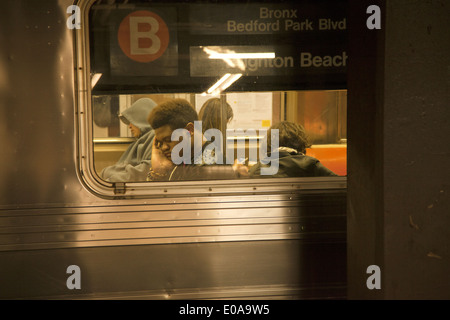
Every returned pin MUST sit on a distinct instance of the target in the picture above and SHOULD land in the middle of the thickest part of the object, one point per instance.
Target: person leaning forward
(292, 159)
(135, 162)
(165, 119)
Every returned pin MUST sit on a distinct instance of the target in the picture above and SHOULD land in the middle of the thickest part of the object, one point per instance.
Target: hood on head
(137, 114)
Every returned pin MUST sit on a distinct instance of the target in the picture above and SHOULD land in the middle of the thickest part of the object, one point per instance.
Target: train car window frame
(121, 190)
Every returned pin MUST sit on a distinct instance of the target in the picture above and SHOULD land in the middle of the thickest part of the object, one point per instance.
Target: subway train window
(218, 90)
(314, 119)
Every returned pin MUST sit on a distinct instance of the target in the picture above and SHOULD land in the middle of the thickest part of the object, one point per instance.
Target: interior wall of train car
(398, 113)
(322, 113)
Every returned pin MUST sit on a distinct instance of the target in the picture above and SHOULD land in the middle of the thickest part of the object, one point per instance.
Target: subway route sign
(184, 47)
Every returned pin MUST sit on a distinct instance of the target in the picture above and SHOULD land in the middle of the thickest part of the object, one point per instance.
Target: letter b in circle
(374, 281)
(143, 36)
(74, 281)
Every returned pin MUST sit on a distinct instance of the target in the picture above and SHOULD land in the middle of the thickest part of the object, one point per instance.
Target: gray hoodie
(135, 162)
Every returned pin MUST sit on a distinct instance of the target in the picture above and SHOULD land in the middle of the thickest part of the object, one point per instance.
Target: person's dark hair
(211, 112)
(291, 135)
(176, 113)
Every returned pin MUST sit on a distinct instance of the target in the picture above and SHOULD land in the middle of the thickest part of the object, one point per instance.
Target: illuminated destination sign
(285, 61)
(169, 47)
(306, 38)
(244, 19)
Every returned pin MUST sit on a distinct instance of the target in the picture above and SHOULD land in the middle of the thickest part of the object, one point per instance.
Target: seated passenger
(134, 163)
(181, 159)
(292, 158)
(211, 112)
(211, 115)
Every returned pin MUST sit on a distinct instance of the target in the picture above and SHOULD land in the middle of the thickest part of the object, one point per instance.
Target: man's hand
(160, 164)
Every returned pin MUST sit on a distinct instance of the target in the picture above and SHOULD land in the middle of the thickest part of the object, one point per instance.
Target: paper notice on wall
(251, 110)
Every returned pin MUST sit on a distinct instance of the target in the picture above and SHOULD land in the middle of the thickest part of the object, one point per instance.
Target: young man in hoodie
(135, 162)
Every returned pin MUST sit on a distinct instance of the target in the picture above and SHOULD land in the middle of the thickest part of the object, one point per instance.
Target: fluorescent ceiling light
(218, 83)
(255, 55)
(223, 83)
(228, 82)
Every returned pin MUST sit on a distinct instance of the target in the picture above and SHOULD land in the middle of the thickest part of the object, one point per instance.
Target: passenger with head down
(134, 163)
(179, 150)
(291, 160)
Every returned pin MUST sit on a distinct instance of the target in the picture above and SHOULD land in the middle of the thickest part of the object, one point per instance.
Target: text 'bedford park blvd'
(287, 20)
